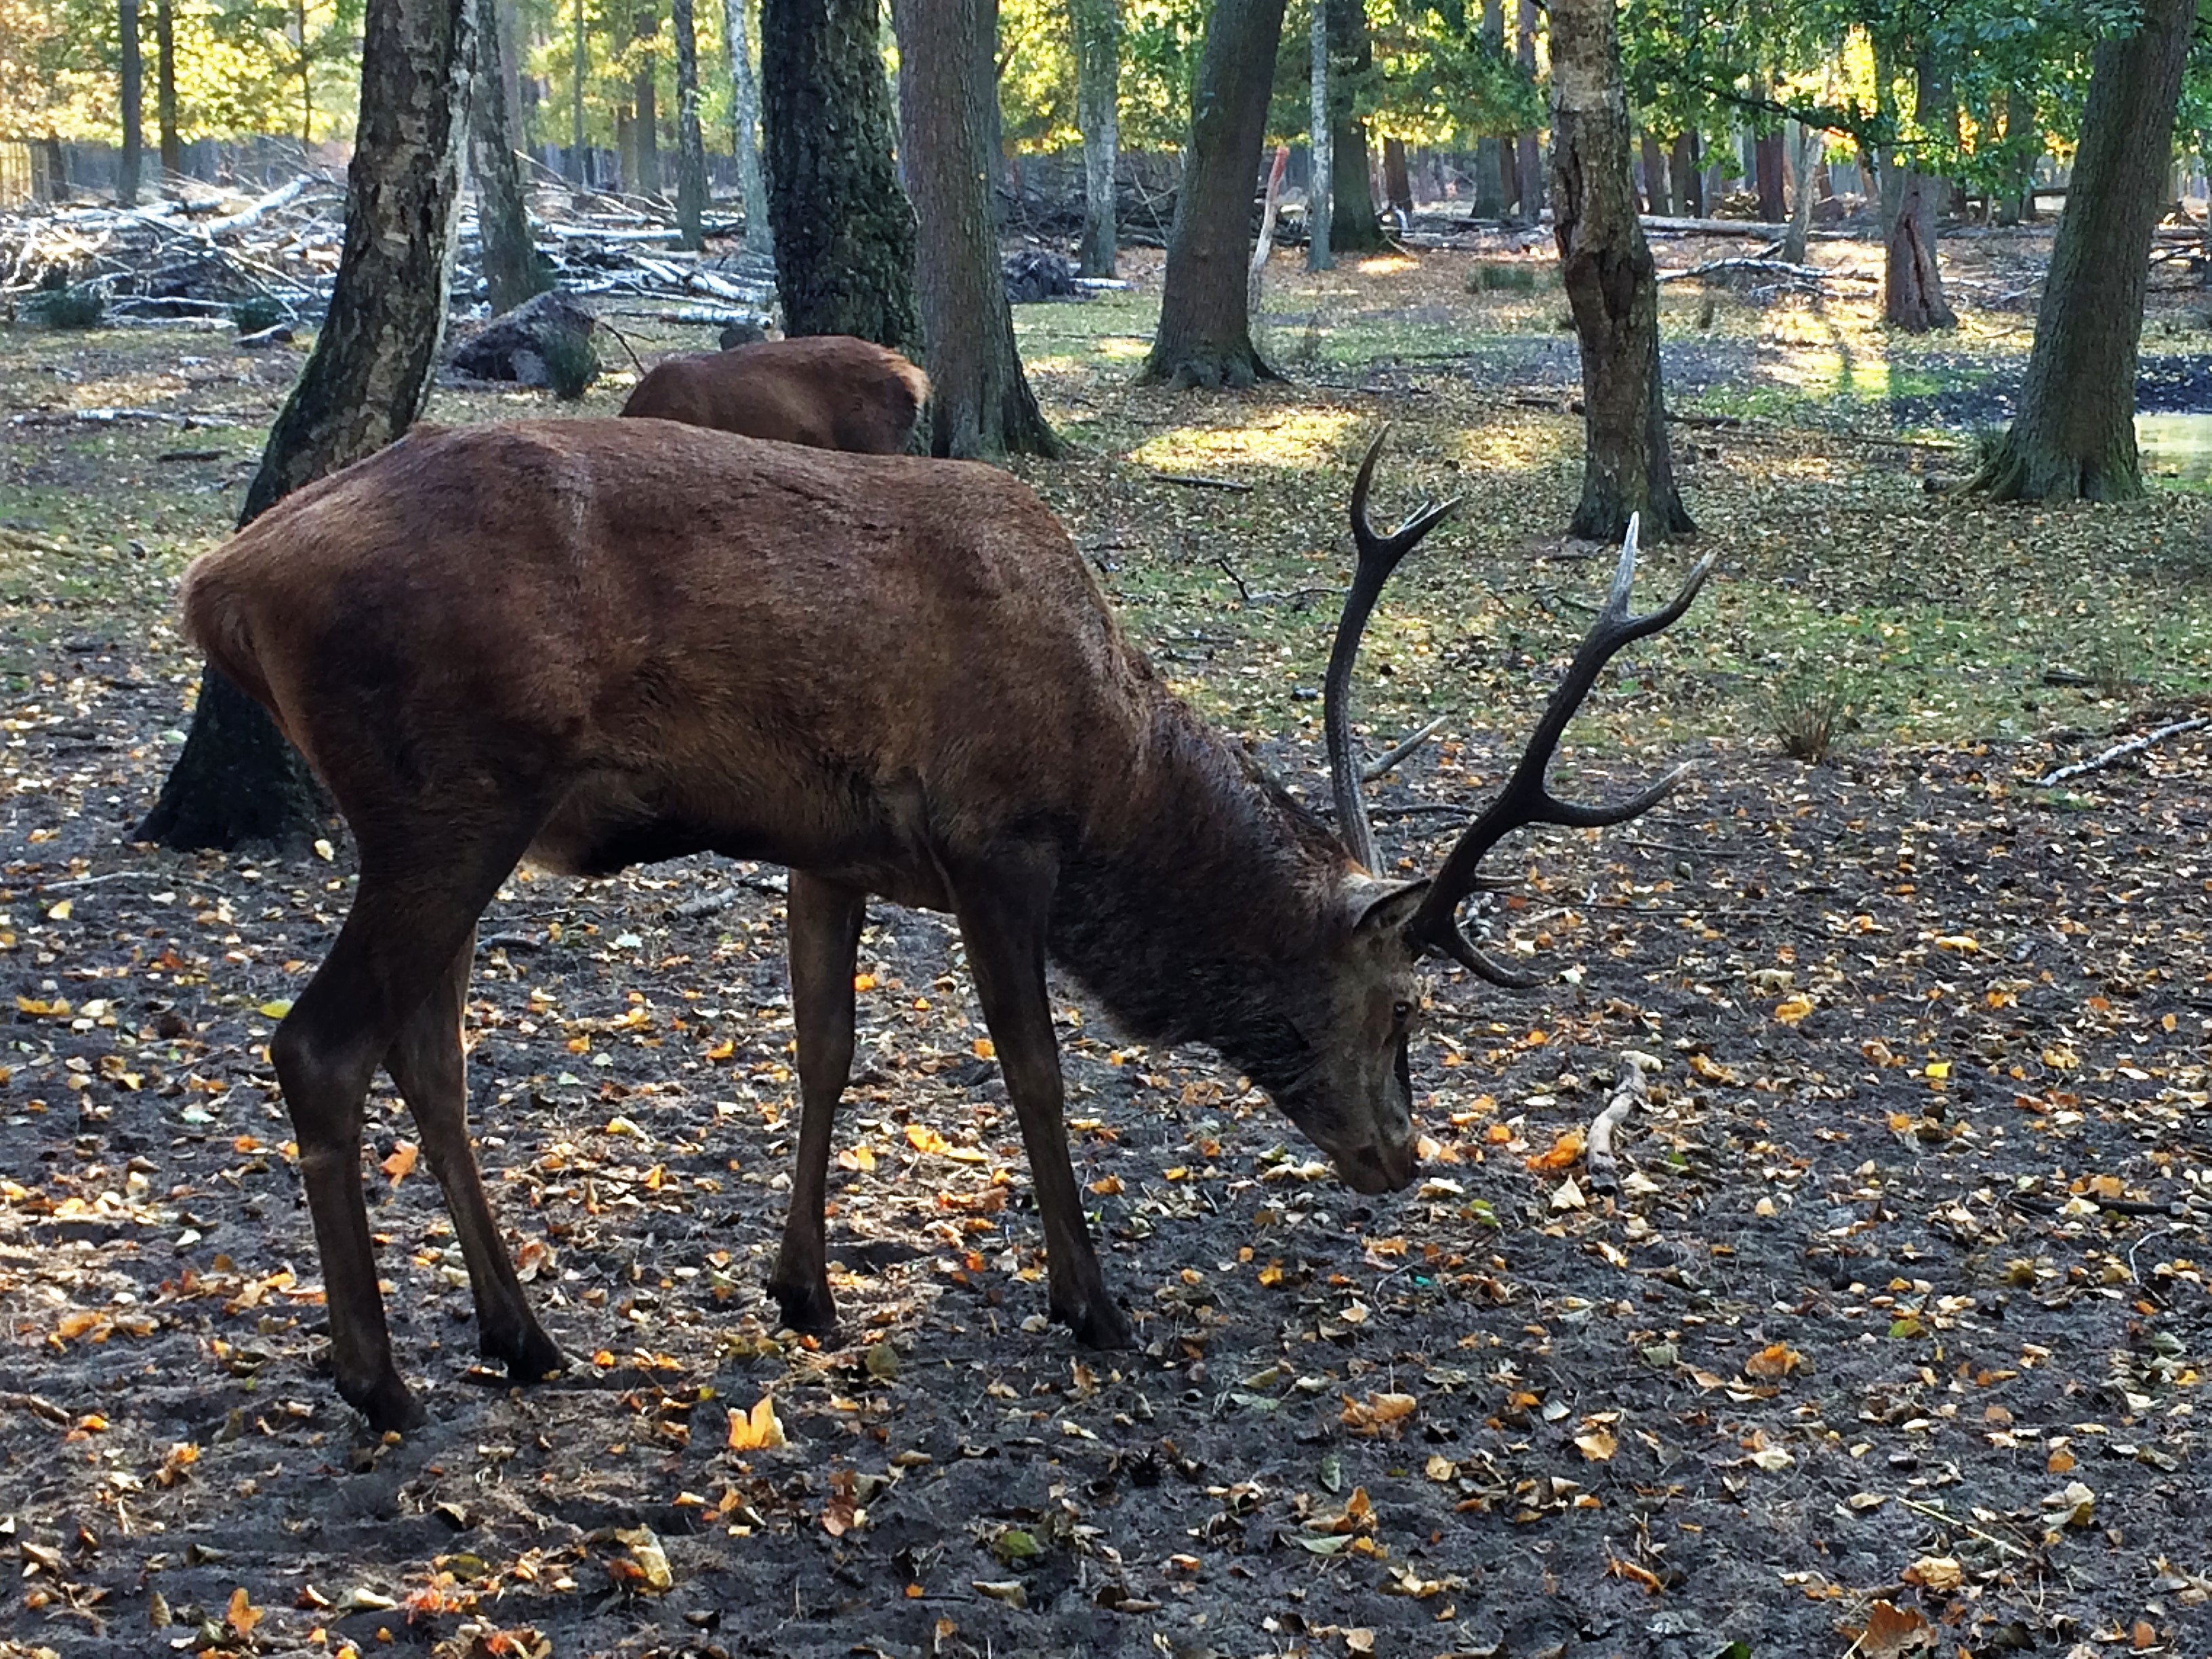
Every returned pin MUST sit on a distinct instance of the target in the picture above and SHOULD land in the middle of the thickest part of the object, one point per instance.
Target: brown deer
(825, 391)
(895, 677)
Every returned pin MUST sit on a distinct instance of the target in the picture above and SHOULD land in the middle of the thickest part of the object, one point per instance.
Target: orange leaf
(923, 1138)
(984, 1049)
(242, 1615)
(1776, 1359)
(1563, 1153)
(401, 1163)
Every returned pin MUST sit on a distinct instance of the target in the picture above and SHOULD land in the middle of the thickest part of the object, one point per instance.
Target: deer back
(828, 392)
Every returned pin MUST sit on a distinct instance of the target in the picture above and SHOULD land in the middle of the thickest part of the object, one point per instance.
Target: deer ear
(1383, 907)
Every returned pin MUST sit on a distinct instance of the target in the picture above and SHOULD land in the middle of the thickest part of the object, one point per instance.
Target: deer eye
(1402, 1011)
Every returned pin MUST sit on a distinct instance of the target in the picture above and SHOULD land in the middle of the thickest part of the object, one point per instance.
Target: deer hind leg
(427, 1064)
(1002, 911)
(409, 920)
(825, 922)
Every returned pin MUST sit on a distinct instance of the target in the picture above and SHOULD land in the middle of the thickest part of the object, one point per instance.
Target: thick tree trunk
(1204, 336)
(1800, 146)
(579, 172)
(1509, 177)
(1768, 165)
(1397, 182)
(1528, 162)
(745, 124)
(690, 144)
(980, 402)
(165, 87)
(1321, 122)
(644, 105)
(1658, 198)
(1097, 28)
(365, 383)
(512, 270)
(2017, 205)
(1354, 227)
(1913, 296)
(2074, 436)
(844, 231)
(1612, 283)
(132, 89)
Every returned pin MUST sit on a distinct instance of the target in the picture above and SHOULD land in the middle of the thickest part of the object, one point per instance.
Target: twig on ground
(1195, 481)
(1230, 570)
(2120, 751)
(1384, 767)
(1628, 1094)
(36, 1406)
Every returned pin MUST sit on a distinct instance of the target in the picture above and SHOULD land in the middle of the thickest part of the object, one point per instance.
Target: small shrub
(1807, 716)
(1989, 443)
(254, 314)
(572, 363)
(1501, 276)
(83, 306)
(1708, 311)
(2112, 664)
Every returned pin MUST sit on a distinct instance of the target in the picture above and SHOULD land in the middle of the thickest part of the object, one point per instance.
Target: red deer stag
(895, 677)
(825, 391)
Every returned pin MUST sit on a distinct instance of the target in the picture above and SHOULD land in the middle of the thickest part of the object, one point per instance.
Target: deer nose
(1388, 1167)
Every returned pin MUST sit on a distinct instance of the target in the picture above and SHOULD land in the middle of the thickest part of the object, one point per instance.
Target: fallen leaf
(241, 1615)
(1792, 1009)
(401, 1163)
(758, 1429)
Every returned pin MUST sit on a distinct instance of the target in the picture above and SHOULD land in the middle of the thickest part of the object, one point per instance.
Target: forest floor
(1893, 1337)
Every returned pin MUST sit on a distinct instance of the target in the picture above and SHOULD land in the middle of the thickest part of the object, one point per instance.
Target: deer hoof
(528, 1353)
(1099, 1323)
(387, 1403)
(808, 1309)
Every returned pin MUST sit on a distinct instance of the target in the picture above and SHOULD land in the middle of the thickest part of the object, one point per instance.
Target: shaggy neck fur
(1203, 918)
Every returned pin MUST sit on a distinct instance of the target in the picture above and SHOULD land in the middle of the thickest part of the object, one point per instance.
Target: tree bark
(1096, 26)
(165, 87)
(1321, 122)
(2075, 437)
(1612, 283)
(1204, 336)
(365, 383)
(1397, 182)
(513, 271)
(1800, 146)
(745, 124)
(690, 144)
(132, 90)
(1658, 198)
(1768, 167)
(579, 172)
(1913, 296)
(844, 231)
(979, 401)
(1489, 174)
(2017, 205)
(1354, 226)
(1682, 162)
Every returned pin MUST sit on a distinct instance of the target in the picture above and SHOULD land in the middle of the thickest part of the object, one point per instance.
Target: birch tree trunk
(744, 124)
(512, 270)
(1096, 26)
(1322, 119)
(690, 144)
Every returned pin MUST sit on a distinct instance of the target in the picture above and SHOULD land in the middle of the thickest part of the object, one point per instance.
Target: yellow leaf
(275, 1010)
(241, 1615)
(1598, 1445)
(1936, 1572)
(1706, 1067)
(401, 1163)
(1792, 1009)
(864, 982)
(60, 912)
(758, 1429)
(984, 1049)
(1966, 943)
(923, 1138)
(1376, 1412)
(1939, 1068)
(1107, 1186)
(722, 1050)
(75, 1323)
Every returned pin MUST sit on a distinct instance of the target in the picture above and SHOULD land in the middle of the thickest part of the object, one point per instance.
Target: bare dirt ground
(1893, 1336)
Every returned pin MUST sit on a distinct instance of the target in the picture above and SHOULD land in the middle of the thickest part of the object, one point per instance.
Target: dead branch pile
(218, 258)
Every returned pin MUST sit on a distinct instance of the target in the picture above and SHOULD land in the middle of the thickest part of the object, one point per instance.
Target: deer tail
(217, 621)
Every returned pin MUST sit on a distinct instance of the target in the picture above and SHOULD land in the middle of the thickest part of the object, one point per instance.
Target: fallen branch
(1196, 482)
(2120, 751)
(36, 1406)
(1383, 768)
(1628, 1094)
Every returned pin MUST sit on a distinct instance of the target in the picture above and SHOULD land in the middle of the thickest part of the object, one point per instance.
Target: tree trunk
(745, 124)
(1682, 162)
(1612, 283)
(980, 402)
(579, 173)
(1354, 227)
(1768, 165)
(1096, 26)
(1509, 177)
(365, 383)
(1493, 159)
(1528, 162)
(1397, 183)
(645, 97)
(1204, 336)
(132, 91)
(511, 267)
(1800, 146)
(1911, 282)
(690, 144)
(1321, 122)
(1658, 199)
(844, 232)
(2074, 436)
(2017, 205)
(165, 87)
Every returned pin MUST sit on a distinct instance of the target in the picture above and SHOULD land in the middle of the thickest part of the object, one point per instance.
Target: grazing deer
(895, 677)
(825, 391)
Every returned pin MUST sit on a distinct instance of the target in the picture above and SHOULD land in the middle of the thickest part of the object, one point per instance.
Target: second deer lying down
(593, 643)
(825, 391)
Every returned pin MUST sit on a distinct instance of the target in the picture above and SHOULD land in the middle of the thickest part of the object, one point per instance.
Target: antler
(1526, 799)
(1378, 557)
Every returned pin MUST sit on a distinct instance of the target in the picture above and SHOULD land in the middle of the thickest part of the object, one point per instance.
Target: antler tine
(1526, 799)
(1378, 557)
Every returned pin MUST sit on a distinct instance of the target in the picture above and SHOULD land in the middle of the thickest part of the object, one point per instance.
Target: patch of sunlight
(1515, 446)
(1276, 437)
(1387, 265)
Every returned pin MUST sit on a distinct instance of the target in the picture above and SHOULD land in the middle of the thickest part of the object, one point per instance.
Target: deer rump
(826, 391)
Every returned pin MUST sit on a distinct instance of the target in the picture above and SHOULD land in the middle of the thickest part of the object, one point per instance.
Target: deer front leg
(1002, 912)
(824, 919)
(428, 1064)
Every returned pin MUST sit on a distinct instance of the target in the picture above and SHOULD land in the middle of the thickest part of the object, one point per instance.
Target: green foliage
(1808, 713)
(80, 305)
(252, 315)
(572, 363)
(1501, 276)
